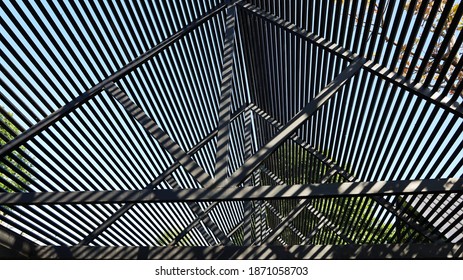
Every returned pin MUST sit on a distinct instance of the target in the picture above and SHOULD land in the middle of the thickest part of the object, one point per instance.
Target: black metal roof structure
(224, 129)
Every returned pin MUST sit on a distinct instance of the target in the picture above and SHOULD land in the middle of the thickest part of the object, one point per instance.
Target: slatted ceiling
(236, 149)
(224, 224)
(282, 78)
(184, 179)
(390, 39)
(352, 150)
(441, 212)
(227, 215)
(101, 147)
(114, 46)
(241, 90)
(142, 223)
(59, 224)
(181, 87)
(205, 156)
(16, 222)
(203, 152)
(111, 148)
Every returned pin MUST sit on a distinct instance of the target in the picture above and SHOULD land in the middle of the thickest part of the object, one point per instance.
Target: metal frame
(330, 252)
(247, 193)
(226, 197)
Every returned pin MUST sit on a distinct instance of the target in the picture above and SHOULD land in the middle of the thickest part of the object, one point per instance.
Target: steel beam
(286, 131)
(163, 138)
(370, 66)
(402, 215)
(342, 252)
(248, 206)
(14, 246)
(279, 216)
(330, 173)
(275, 211)
(218, 233)
(116, 215)
(252, 163)
(199, 218)
(287, 221)
(453, 185)
(325, 221)
(121, 211)
(226, 90)
(95, 90)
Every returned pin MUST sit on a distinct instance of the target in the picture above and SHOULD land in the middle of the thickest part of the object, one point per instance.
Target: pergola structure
(223, 129)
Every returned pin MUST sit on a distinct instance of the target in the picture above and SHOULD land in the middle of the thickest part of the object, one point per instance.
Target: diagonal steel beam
(301, 142)
(279, 216)
(376, 69)
(322, 219)
(274, 210)
(206, 234)
(116, 215)
(286, 131)
(173, 148)
(286, 221)
(199, 218)
(330, 173)
(194, 206)
(226, 90)
(425, 186)
(163, 138)
(95, 90)
(196, 209)
(254, 161)
(336, 169)
(312, 233)
(325, 221)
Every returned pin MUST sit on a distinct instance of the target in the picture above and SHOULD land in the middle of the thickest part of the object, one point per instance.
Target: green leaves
(13, 169)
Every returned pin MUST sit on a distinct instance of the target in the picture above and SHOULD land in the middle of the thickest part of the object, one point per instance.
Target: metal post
(226, 90)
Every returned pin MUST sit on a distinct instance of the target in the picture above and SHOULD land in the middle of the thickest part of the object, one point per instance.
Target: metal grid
(322, 129)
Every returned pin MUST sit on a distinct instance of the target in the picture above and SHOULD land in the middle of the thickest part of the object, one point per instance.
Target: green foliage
(13, 169)
(294, 165)
(169, 236)
(354, 217)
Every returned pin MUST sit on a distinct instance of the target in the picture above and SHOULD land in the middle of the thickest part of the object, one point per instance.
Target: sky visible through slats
(51, 52)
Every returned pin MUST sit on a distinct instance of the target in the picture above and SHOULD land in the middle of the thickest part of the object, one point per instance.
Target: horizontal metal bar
(14, 246)
(116, 215)
(309, 207)
(246, 193)
(372, 67)
(89, 94)
(287, 130)
(351, 251)
(338, 170)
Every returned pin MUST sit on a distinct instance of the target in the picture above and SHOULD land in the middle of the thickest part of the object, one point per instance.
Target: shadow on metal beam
(334, 252)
